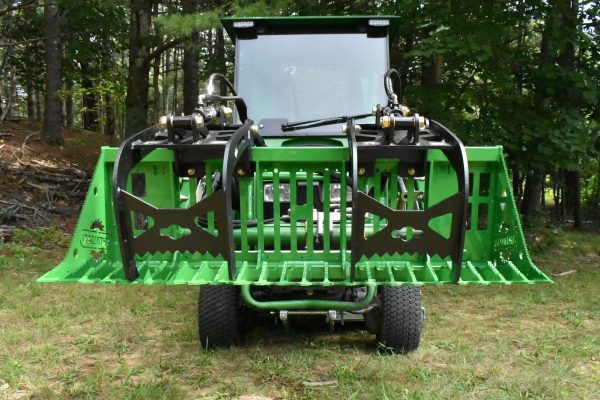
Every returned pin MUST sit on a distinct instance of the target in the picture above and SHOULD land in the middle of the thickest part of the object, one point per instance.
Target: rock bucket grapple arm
(131, 152)
(189, 205)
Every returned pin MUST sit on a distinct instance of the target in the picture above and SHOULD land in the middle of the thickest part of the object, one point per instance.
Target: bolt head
(411, 171)
(198, 120)
(162, 121)
(386, 121)
(191, 171)
(361, 171)
(241, 172)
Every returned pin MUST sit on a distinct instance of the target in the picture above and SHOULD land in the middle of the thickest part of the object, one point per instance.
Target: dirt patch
(43, 185)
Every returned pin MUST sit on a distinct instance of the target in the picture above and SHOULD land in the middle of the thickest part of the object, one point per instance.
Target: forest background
(520, 73)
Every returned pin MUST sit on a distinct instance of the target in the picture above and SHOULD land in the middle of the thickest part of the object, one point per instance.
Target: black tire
(401, 318)
(219, 316)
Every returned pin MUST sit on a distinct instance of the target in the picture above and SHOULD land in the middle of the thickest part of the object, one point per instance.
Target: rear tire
(219, 316)
(401, 318)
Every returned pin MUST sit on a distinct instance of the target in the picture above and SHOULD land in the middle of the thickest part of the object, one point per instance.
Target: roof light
(379, 22)
(243, 24)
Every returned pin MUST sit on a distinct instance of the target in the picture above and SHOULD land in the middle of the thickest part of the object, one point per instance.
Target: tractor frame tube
(308, 304)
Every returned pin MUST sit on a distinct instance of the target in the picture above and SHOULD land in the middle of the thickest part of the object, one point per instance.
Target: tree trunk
(409, 41)
(156, 105)
(136, 102)
(516, 185)
(572, 196)
(432, 71)
(175, 79)
(568, 11)
(556, 195)
(38, 105)
(52, 129)
(69, 113)
(155, 90)
(165, 85)
(90, 105)
(3, 62)
(7, 112)
(531, 196)
(543, 198)
(597, 195)
(30, 103)
(99, 127)
(190, 64)
(533, 184)
(220, 58)
(89, 101)
(210, 46)
(110, 127)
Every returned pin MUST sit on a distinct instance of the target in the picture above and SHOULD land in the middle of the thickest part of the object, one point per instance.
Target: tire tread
(401, 318)
(218, 324)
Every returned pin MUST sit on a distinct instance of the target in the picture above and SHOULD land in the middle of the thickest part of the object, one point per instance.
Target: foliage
(491, 59)
(261, 8)
(185, 24)
(496, 72)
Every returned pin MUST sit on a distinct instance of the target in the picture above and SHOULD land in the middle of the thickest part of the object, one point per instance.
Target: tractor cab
(304, 69)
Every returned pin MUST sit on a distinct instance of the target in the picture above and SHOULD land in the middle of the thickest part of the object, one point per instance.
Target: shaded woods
(520, 73)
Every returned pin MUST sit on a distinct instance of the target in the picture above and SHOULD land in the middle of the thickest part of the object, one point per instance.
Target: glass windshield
(309, 76)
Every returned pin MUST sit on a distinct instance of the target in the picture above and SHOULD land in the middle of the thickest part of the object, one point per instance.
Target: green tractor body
(320, 192)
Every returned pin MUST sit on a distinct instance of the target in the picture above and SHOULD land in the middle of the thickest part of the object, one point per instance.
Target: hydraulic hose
(240, 104)
(387, 82)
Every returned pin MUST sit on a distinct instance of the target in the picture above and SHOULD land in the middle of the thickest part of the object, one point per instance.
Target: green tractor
(315, 194)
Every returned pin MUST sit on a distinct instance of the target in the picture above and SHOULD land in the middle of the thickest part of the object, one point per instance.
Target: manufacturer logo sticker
(95, 237)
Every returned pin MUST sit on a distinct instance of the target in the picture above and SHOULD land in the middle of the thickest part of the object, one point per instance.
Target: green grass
(107, 342)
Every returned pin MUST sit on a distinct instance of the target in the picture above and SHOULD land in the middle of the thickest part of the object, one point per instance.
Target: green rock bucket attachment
(280, 235)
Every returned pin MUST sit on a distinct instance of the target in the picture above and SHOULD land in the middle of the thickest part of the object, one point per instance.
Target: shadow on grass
(311, 332)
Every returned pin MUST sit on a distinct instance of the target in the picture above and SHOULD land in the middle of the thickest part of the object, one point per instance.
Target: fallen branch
(24, 145)
(320, 383)
(6, 232)
(569, 272)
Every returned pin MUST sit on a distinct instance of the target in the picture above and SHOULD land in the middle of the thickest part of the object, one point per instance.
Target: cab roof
(243, 27)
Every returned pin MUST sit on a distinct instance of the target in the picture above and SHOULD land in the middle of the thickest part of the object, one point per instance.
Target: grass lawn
(107, 342)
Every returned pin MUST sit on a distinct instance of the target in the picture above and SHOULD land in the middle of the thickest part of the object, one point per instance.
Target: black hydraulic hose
(387, 82)
(240, 104)
(259, 141)
(336, 177)
(215, 76)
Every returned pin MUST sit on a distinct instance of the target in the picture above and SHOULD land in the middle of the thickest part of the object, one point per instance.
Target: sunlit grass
(107, 342)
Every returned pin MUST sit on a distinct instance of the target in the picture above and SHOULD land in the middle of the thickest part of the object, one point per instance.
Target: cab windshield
(310, 76)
